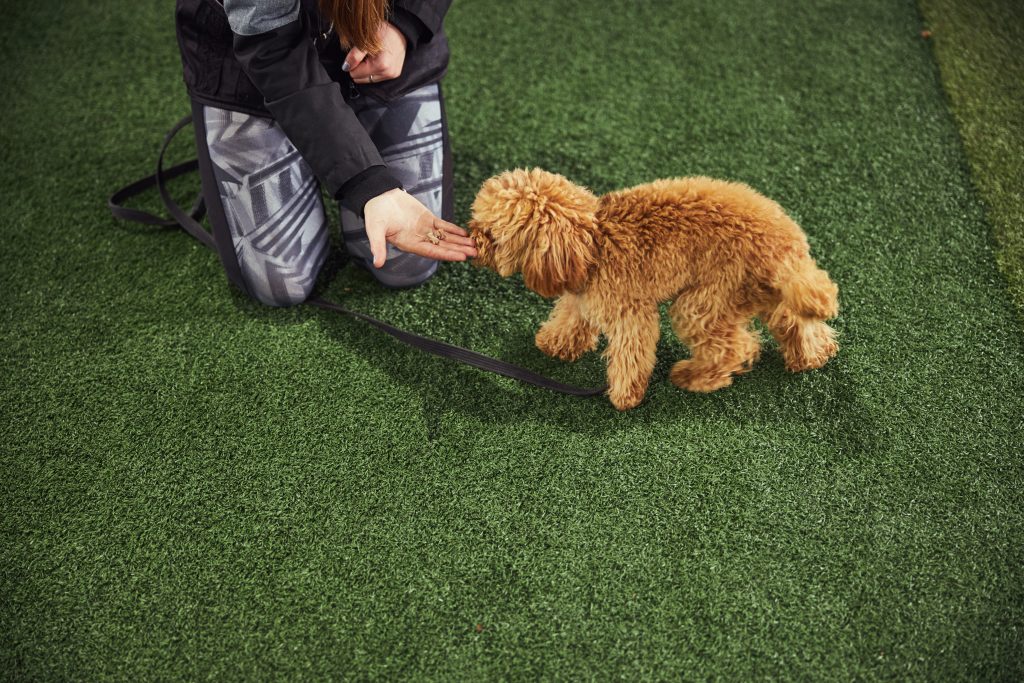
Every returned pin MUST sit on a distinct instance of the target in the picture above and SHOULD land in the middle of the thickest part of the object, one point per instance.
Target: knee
(279, 286)
(281, 296)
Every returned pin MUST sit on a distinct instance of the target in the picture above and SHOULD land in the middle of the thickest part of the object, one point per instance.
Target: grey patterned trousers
(271, 200)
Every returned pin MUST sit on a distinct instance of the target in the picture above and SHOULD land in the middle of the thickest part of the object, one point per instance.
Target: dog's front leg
(567, 334)
(632, 332)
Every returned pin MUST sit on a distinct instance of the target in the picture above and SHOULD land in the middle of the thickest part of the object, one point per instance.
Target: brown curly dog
(721, 252)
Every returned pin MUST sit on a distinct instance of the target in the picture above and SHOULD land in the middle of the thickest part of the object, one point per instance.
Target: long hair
(357, 22)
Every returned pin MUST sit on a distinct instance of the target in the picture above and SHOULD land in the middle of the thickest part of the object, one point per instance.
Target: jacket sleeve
(276, 53)
(419, 20)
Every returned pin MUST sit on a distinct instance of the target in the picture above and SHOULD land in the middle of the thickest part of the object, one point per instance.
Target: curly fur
(721, 252)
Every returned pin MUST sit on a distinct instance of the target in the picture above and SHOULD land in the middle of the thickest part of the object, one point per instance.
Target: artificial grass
(980, 50)
(195, 486)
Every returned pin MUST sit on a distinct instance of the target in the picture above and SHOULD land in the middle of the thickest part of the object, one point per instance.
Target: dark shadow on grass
(485, 397)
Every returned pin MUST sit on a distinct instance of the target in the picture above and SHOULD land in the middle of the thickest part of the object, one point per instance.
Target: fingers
(450, 228)
(360, 67)
(440, 252)
(378, 246)
(353, 60)
(363, 71)
(457, 240)
(374, 70)
(454, 235)
(467, 250)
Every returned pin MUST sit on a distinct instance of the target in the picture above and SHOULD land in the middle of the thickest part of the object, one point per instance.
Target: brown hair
(357, 22)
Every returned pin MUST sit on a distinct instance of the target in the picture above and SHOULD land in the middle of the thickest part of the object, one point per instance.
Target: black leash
(189, 221)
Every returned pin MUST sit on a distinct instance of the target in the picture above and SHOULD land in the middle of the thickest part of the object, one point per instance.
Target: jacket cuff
(364, 186)
(414, 30)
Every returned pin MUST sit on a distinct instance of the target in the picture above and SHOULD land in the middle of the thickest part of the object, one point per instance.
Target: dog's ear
(563, 237)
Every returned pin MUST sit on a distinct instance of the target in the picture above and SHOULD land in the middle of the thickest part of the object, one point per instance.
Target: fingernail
(345, 67)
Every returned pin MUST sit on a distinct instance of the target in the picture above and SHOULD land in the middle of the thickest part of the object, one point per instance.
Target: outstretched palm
(398, 218)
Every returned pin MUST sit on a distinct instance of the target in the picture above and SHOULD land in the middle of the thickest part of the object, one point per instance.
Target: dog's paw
(701, 378)
(627, 396)
(564, 347)
(625, 400)
(817, 346)
(813, 360)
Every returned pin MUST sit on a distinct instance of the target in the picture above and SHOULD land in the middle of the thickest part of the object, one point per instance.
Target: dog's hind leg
(567, 334)
(722, 344)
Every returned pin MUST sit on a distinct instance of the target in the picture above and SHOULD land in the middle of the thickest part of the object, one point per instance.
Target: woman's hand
(384, 65)
(399, 218)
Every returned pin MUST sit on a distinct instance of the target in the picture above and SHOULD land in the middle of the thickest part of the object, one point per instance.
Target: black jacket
(293, 74)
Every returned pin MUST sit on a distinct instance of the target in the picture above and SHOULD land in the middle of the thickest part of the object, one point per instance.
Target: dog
(719, 251)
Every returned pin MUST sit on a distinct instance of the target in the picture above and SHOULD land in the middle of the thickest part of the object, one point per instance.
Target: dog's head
(537, 223)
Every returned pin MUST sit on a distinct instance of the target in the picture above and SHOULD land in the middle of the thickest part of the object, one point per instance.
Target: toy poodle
(718, 250)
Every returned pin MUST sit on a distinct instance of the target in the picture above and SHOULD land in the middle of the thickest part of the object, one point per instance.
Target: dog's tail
(807, 291)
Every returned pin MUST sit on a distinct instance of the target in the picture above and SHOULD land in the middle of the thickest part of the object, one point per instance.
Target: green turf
(195, 486)
(980, 49)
